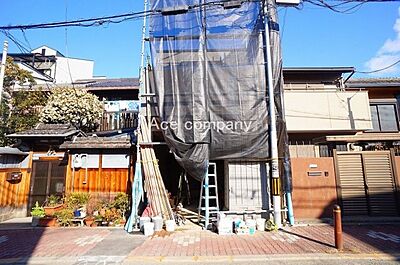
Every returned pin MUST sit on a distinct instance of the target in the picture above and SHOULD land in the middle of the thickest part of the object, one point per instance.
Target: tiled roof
(116, 82)
(374, 82)
(12, 151)
(49, 130)
(98, 142)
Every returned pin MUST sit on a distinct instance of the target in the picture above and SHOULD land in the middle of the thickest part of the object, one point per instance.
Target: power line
(379, 70)
(80, 22)
(344, 6)
(17, 43)
(98, 21)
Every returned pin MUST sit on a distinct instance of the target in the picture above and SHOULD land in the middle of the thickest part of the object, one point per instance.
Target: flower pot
(77, 213)
(35, 221)
(50, 210)
(47, 221)
(89, 221)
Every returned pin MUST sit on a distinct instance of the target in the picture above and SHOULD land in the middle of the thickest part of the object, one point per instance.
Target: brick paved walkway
(66, 242)
(101, 242)
(295, 240)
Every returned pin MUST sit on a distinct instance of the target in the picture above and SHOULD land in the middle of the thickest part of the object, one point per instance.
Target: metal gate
(366, 183)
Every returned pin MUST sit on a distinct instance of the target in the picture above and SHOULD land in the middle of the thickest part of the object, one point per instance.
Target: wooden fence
(104, 182)
(118, 120)
(15, 195)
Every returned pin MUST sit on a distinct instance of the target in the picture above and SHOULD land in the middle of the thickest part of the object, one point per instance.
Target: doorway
(48, 178)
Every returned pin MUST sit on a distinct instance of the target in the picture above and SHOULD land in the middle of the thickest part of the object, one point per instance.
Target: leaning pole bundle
(153, 182)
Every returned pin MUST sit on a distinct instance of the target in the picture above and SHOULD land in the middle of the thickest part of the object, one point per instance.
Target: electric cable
(379, 70)
(99, 21)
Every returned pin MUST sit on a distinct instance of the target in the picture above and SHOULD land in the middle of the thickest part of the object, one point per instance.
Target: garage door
(366, 183)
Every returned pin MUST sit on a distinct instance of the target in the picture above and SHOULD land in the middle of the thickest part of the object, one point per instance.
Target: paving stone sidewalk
(100, 244)
(292, 240)
(67, 242)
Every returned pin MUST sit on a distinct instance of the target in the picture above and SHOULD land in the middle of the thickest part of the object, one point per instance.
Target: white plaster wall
(80, 69)
(327, 111)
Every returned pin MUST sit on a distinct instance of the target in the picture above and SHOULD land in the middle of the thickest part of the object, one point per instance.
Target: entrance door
(48, 178)
(366, 183)
(246, 185)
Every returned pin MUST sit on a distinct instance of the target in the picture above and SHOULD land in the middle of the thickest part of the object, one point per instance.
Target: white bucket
(260, 224)
(252, 226)
(170, 225)
(158, 223)
(142, 221)
(148, 229)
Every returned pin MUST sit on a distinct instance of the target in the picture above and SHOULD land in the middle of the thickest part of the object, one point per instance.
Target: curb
(193, 259)
(60, 228)
(274, 257)
(65, 260)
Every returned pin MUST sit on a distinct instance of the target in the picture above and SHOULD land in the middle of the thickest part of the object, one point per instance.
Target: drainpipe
(352, 73)
(290, 207)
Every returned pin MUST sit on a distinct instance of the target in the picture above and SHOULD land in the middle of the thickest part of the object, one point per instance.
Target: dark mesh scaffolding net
(209, 81)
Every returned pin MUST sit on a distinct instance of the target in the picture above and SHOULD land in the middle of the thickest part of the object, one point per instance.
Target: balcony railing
(118, 120)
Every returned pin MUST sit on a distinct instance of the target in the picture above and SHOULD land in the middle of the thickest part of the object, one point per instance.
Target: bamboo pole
(153, 180)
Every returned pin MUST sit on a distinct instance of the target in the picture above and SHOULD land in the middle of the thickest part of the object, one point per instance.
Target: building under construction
(206, 110)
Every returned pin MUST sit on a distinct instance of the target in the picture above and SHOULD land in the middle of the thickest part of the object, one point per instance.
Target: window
(384, 117)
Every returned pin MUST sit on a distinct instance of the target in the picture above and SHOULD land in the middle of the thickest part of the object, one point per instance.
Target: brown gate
(366, 183)
(48, 178)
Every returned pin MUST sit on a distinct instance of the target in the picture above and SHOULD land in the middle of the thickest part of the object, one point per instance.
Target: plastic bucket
(252, 226)
(158, 223)
(237, 221)
(170, 225)
(148, 229)
(260, 224)
(142, 221)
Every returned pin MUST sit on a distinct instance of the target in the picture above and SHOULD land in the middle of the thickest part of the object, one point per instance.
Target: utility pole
(275, 76)
(275, 183)
(3, 68)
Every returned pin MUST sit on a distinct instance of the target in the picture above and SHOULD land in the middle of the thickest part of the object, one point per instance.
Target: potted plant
(37, 213)
(90, 212)
(78, 202)
(64, 216)
(47, 221)
(53, 203)
(98, 220)
(121, 203)
(89, 220)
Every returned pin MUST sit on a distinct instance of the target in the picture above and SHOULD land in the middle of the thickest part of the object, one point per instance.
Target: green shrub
(77, 200)
(37, 211)
(53, 200)
(121, 202)
(64, 216)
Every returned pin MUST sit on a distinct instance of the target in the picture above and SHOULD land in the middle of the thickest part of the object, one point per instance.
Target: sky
(368, 39)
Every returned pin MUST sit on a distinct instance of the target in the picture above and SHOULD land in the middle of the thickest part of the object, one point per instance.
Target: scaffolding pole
(3, 68)
(137, 185)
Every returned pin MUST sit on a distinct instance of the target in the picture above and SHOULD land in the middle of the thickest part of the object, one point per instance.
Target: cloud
(388, 54)
(382, 61)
